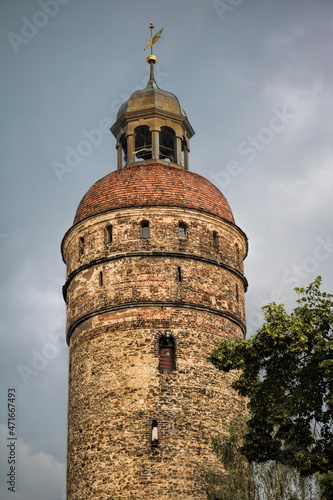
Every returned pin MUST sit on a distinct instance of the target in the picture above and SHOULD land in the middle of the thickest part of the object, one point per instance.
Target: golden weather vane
(154, 38)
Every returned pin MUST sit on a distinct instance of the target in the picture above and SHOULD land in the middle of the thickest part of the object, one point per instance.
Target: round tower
(154, 281)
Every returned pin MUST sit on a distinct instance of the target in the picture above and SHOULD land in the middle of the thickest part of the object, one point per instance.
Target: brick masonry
(122, 296)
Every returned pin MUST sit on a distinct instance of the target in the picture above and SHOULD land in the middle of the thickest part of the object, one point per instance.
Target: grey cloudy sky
(255, 78)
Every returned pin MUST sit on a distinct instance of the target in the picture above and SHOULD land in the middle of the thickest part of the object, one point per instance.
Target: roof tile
(153, 184)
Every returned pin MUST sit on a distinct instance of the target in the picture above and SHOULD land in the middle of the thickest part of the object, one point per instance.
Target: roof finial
(153, 39)
(151, 59)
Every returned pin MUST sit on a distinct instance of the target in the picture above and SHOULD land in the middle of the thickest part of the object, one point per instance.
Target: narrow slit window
(145, 229)
(109, 233)
(167, 352)
(179, 274)
(154, 433)
(238, 255)
(182, 230)
(81, 245)
(100, 278)
(215, 239)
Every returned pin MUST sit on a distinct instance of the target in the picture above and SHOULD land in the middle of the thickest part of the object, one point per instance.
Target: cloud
(302, 193)
(280, 39)
(38, 475)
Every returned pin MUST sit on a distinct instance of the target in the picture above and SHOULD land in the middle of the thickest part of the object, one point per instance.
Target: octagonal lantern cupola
(151, 125)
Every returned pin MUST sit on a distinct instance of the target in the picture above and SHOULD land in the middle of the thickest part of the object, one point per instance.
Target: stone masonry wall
(116, 389)
(115, 322)
(230, 250)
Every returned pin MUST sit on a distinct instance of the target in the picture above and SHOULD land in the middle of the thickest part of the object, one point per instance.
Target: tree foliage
(287, 375)
(274, 481)
(238, 482)
(245, 481)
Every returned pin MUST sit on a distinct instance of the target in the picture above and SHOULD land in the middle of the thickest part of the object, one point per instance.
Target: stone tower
(154, 281)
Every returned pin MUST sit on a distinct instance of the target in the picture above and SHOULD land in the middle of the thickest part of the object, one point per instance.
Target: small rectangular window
(215, 239)
(179, 274)
(109, 233)
(145, 230)
(167, 352)
(154, 433)
(182, 230)
(81, 245)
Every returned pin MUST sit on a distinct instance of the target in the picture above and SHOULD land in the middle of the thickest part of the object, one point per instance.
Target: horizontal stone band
(177, 255)
(183, 305)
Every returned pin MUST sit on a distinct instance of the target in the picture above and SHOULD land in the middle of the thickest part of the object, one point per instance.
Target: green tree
(274, 481)
(287, 376)
(238, 482)
(245, 481)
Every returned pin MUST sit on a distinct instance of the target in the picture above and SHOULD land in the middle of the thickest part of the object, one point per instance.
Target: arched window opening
(167, 144)
(81, 246)
(123, 145)
(145, 229)
(167, 352)
(154, 433)
(182, 230)
(179, 274)
(215, 239)
(143, 145)
(100, 279)
(109, 233)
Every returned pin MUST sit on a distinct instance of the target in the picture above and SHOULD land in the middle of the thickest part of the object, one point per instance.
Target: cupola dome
(151, 125)
(151, 97)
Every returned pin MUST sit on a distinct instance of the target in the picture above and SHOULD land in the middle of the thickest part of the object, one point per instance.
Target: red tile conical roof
(153, 184)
